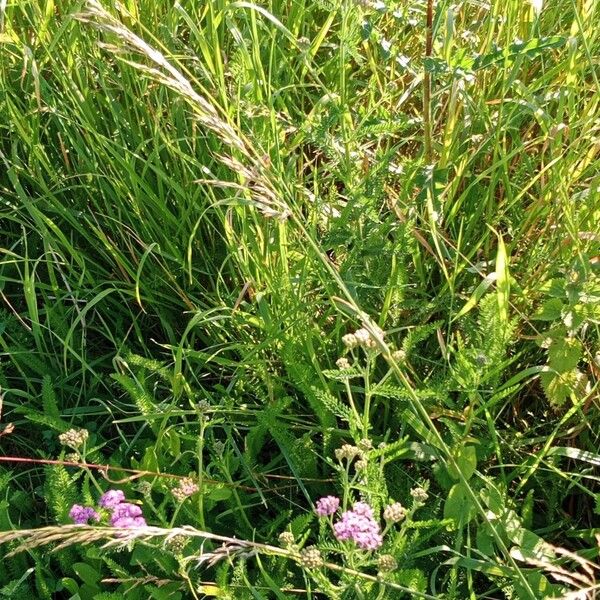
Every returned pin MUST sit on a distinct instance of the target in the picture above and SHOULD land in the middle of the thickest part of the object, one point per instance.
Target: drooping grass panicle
(255, 180)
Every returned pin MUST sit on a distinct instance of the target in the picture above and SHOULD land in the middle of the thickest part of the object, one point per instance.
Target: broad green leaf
(540, 586)
(559, 386)
(466, 461)
(550, 311)
(87, 574)
(564, 354)
(485, 540)
(530, 546)
(218, 493)
(480, 565)
(458, 506)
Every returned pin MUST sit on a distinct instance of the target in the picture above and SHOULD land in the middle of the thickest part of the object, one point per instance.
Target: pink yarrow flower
(327, 506)
(359, 526)
(130, 522)
(123, 514)
(111, 499)
(363, 509)
(82, 514)
(127, 515)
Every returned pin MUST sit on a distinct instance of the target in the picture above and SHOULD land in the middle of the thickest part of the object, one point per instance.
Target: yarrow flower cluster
(74, 438)
(81, 515)
(394, 512)
(387, 563)
(286, 538)
(365, 445)
(347, 452)
(127, 515)
(419, 495)
(360, 526)
(123, 514)
(73, 457)
(111, 499)
(203, 405)
(327, 506)
(187, 487)
(219, 447)
(311, 558)
(363, 338)
(399, 355)
(177, 543)
(361, 465)
(343, 363)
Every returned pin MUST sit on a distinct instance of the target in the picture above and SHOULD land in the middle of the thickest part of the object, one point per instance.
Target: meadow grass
(256, 254)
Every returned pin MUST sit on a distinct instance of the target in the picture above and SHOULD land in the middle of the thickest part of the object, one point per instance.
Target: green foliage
(570, 306)
(192, 220)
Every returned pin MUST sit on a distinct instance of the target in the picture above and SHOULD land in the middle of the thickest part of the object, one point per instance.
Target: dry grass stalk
(257, 185)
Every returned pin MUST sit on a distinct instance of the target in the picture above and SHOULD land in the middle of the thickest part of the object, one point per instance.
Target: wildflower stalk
(351, 401)
(201, 471)
(367, 407)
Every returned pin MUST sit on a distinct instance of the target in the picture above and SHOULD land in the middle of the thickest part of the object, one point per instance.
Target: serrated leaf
(37, 417)
(413, 579)
(389, 391)
(299, 524)
(342, 374)
(332, 404)
(564, 354)
(551, 310)
(11, 588)
(559, 386)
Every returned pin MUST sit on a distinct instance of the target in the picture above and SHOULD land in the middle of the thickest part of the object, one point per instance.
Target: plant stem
(427, 85)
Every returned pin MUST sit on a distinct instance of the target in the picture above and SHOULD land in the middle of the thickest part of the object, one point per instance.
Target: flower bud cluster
(347, 452)
(394, 513)
(419, 495)
(387, 563)
(286, 539)
(343, 363)
(74, 438)
(363, 338)
(399, 356)
(177, 543)
(187, 487)
(311, 558)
